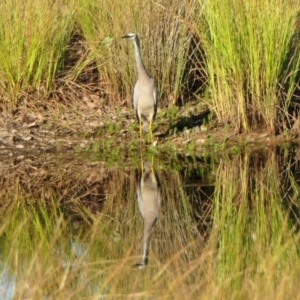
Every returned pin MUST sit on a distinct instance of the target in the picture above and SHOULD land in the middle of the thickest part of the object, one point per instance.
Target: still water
(219, 226)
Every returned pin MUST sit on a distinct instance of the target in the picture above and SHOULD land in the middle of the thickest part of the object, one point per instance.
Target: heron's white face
(131, 36)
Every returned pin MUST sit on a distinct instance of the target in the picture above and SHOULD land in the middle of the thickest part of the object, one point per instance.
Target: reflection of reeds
(236, 239)
(254, 239)
(107, 244)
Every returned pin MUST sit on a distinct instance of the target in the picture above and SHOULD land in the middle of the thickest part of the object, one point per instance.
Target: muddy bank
(60, 127)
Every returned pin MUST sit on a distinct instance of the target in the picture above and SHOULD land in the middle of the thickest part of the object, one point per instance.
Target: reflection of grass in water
(32, 235)
(251, 251)
(256, 249)
(46, 258)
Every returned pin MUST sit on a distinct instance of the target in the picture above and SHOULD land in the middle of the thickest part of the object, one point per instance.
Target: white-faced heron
(149, 201)
(145, 95)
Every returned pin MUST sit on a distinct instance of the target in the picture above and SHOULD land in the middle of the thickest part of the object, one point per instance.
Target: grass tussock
(33, 37)
(251, 50)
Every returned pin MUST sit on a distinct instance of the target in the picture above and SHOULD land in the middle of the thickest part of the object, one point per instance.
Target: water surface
(219, 225)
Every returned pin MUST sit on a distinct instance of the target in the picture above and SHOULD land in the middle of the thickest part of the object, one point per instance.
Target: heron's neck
(139, 62)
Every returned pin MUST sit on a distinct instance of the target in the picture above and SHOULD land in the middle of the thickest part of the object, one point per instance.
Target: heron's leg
(140, 129)
(152, 166)
(142, 168)
(150, 129)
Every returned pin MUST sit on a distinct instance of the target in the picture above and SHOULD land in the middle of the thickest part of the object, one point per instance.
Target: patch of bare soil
(61, 127)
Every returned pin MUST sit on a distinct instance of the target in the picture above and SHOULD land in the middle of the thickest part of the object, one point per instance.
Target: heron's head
(132, 36)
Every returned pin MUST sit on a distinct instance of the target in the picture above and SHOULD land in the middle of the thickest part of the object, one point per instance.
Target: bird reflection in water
(149, 201)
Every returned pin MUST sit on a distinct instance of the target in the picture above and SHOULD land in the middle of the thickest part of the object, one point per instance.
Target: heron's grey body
(149, 201)
(145, 95)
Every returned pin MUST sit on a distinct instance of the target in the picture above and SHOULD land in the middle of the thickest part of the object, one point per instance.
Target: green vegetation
(252, 60)
(70, 227)
(33, 38)
(242, 54)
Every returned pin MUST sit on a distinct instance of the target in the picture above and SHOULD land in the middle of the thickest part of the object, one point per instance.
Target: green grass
(252, 61)
(245, 52)
(33, 37)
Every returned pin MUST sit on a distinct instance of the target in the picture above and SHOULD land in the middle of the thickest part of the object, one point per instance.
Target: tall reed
(251, 52)
(33, 37)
